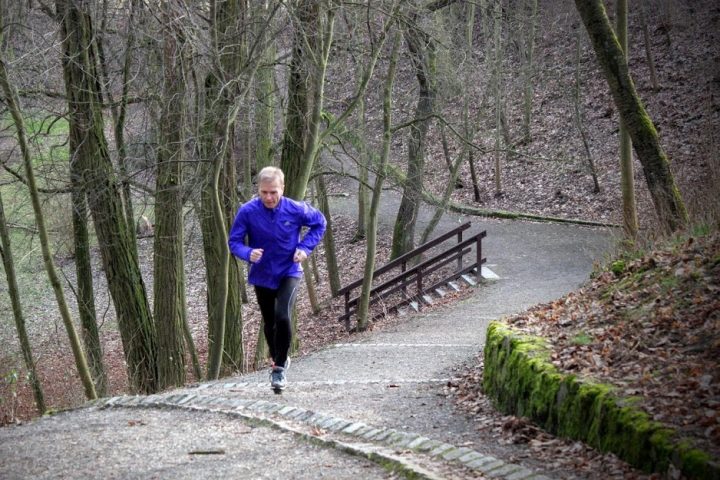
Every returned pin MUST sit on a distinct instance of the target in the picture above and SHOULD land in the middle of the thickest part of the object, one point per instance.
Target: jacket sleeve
(316, 223)
(236, 238)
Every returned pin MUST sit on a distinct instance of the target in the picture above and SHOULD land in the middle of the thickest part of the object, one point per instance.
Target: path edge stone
(383, 446)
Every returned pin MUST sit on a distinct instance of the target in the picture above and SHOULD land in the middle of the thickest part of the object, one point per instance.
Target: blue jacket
(277, 232)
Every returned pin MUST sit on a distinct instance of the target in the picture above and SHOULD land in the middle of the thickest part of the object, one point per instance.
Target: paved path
(349, 410)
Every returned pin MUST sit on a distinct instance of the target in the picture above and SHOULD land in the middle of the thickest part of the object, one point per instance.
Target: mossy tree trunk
(14, 292)
(668, 203)
(13, 104)
(85, 288)
(119, 258)
(168, 256)
(422, 55)
(216, 143)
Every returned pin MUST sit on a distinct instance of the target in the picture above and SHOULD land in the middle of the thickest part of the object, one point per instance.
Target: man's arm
(236, 238)
(316, 223)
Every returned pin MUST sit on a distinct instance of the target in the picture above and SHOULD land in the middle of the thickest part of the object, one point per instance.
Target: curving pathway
(368, 409)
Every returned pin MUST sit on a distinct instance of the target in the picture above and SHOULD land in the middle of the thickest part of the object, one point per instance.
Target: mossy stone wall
(520, 380)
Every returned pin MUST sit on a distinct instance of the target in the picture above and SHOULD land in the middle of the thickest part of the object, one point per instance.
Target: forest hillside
(518, 103)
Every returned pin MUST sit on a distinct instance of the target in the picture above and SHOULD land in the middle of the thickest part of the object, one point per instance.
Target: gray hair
(268, 174)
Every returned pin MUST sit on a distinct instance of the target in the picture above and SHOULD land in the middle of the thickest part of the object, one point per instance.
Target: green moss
(618, 267)
(668, 283)
(581, 338)
(701, 230)
(698, 464)
(519, 379)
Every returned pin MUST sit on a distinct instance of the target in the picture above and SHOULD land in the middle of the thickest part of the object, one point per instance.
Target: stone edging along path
(409, 454)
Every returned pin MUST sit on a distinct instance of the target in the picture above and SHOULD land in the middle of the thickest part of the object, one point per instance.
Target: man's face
(270, 192)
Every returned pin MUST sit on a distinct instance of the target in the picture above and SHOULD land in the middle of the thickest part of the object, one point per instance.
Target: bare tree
(627, 180)
(168, 257)
(364, 300)
(530, 7)
(222, 89)
(328, 238)
(422, 55)
(11, 100)
(648, 47)
(120, 261)
(14, 292)
(119, 108)
(314, 28)
(498, 92)
(580, 118)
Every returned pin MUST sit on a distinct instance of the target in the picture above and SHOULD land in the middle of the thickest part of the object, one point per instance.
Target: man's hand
(299, 256)
(256, 255)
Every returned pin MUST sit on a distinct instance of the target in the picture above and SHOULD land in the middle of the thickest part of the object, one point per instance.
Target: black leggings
(276, 309)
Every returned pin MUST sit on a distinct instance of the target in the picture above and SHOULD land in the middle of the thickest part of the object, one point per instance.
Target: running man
(275, 251)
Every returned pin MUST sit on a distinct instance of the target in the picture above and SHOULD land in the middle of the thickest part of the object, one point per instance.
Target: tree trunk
(656, 168)
(329, 238)
(422, 56)
(473, 176)
(218, 197)
(216, 252)
(648, 48)
(369, 268)
(120, 261)
(528, 70)
(310, 286)
(187, 334)
(265, 110)
(14, 291)
(261, 348)
(579, 118)
(168, 217)
(363, 174)
(311, 48)
(627, 181)
(13, 105)
(85, 288)
(314, 30)
(119, 111)
(497, 88)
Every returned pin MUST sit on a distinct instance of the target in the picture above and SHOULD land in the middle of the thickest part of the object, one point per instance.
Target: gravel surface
(139, 443)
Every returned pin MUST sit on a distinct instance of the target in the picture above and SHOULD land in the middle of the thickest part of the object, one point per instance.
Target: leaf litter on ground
(649, 325)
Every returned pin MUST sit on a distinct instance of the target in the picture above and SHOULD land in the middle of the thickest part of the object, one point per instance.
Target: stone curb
(521, 380)
(380, 445)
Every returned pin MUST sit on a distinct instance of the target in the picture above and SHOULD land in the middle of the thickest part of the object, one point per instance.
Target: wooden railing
(419, 273)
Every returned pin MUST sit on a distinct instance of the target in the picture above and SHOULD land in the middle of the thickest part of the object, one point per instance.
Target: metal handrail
(417, 273)
(405, 257)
